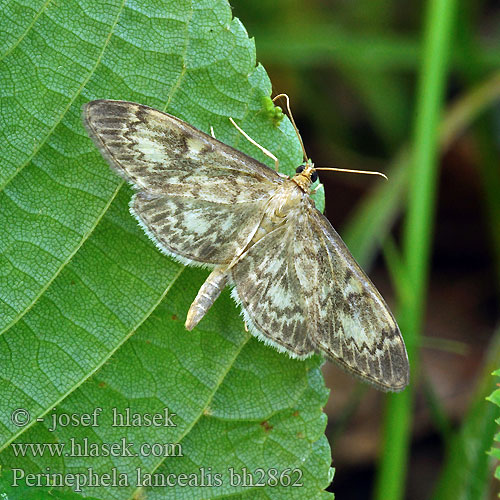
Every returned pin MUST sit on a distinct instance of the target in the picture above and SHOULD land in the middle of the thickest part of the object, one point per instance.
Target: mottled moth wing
(267, 287)
(198, 198)
(313, 297)
(353, 325)
(200, 231)
(164, 155)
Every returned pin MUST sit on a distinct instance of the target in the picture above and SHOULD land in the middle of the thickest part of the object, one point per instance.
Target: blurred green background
(411, 89)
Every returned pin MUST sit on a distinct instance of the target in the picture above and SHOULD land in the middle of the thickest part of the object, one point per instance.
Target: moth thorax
(303, 180)
(305, 175)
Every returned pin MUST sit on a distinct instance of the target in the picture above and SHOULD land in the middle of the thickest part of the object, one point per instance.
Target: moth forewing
(363, 334)
(208, 204)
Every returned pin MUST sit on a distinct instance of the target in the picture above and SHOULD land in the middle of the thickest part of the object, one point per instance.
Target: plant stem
(417, 238)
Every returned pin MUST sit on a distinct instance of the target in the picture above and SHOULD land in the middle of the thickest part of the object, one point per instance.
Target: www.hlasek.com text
(87, 448)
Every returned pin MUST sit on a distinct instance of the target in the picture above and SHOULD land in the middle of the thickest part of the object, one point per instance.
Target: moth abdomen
(207, 295)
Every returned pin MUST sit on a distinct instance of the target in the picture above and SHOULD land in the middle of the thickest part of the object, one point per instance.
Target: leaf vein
(69, 104)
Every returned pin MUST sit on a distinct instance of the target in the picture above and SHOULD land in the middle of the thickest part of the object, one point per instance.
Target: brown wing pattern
(199, 199)
(267, 287)
(200, 231)
(348, 318)
(161, 154)
(303, 292)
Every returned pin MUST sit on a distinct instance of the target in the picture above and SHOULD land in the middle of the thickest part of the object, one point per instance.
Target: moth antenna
(293, 123)
(348, 170)
(255, 143)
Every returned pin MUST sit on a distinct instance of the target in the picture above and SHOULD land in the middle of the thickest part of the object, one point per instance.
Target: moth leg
(246, 326)
(207, 295)
(315, 190)
(212, 132)
(255, 143)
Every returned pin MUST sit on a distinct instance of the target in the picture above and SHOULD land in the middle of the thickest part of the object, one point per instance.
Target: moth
(205, 203)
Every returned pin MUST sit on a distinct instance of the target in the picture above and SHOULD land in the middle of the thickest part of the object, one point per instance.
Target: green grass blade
(417, 237)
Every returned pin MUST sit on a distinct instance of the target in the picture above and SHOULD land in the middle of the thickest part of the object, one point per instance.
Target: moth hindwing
(205, 203)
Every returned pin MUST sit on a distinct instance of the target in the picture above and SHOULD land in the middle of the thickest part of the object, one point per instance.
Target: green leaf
(495, 450)
(467, 469)
(91, 314)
